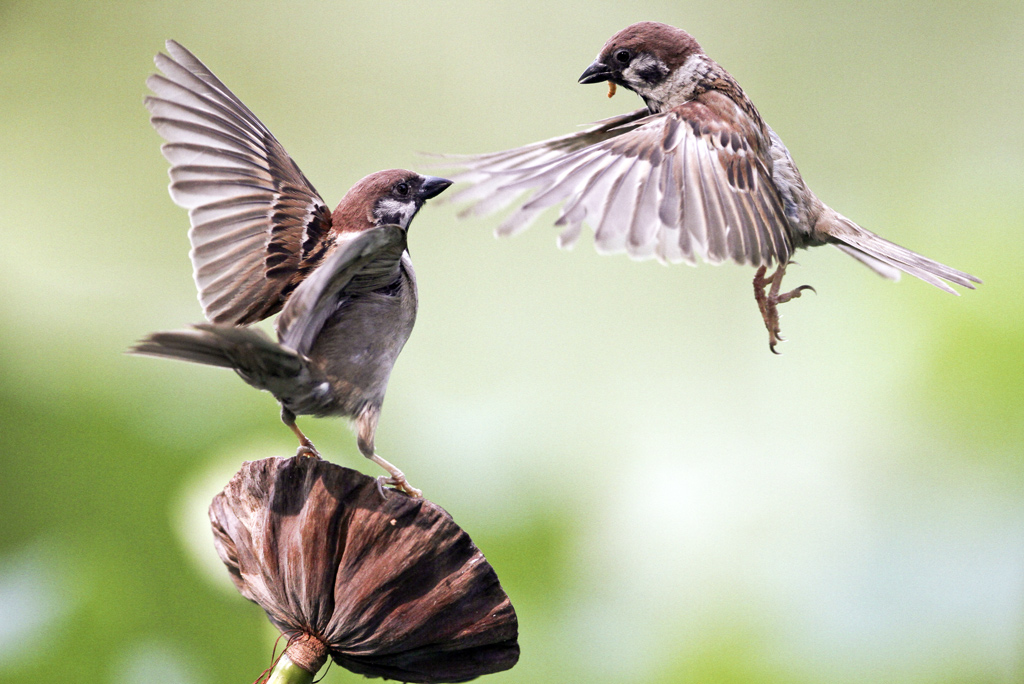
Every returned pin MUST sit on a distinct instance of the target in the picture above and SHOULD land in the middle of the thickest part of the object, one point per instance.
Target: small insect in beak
(611, 89)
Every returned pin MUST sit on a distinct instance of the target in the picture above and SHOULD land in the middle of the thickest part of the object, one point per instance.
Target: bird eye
(402, 189)
(623, 56)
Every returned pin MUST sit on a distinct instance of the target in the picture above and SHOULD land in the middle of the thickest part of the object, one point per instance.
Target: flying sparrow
(696, 172)
(263, 241)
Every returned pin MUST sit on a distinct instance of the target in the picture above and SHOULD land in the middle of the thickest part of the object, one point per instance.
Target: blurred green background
(663, 499)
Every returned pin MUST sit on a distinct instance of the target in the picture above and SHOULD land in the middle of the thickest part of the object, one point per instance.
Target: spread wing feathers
(258, 225)
(674, 186)
(858, 242)
(488, 172)
(369, 261)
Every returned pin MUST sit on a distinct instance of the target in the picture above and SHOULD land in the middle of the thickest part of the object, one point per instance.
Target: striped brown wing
(675, 186)
(258, 225)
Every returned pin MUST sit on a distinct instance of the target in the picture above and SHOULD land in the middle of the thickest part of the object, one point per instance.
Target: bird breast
(358, 347)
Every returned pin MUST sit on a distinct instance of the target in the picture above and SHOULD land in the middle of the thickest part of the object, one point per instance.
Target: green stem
(287, 672)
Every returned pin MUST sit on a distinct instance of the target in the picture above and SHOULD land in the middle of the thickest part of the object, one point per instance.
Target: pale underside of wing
(364, 262)
(257, 223)
(673, 186)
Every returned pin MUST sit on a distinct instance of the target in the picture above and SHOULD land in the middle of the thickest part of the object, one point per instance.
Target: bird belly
(800, 204)
(353, 356)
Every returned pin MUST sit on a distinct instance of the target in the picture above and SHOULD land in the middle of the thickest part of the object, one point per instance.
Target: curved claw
(307, 450)
(766, 292)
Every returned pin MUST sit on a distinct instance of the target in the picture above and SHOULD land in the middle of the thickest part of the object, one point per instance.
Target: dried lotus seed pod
(387, 587)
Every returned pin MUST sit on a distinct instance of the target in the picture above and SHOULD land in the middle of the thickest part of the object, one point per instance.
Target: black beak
(596, 72)
(432, 187)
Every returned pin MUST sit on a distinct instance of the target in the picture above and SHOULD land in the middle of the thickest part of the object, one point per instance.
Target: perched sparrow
(696, 172)
(263, 241)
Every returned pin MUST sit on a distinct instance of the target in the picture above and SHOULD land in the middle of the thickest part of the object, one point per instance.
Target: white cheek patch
(641, 68)
(390, 210)
(646, 75)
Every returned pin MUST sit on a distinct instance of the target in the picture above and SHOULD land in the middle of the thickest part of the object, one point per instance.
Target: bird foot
(401, 485)
(768, 301)
(306, 447)
(397, 479)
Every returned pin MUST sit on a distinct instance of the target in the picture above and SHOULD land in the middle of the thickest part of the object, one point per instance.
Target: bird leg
(366, 428)
(768, 302)
(306, 447)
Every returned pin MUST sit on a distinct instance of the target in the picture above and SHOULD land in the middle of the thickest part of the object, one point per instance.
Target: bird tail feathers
(249, 351)
(887, 258)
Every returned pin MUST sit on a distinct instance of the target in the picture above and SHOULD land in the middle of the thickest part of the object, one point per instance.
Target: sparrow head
(386, 197)
(645, 58)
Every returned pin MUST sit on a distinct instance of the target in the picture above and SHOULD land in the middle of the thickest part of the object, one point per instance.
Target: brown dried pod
(388, 587)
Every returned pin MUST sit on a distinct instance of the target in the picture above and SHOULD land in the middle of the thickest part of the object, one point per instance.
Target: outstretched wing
(368, 261)
(258, 226)
(674, 185)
